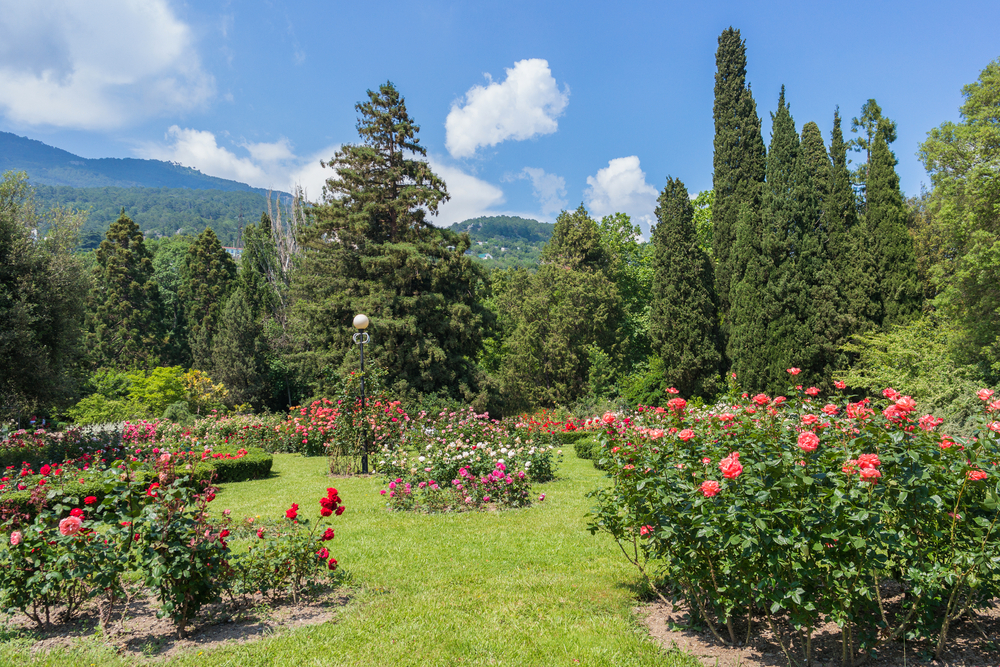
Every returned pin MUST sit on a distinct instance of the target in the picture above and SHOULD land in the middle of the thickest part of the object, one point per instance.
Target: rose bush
(762, 506)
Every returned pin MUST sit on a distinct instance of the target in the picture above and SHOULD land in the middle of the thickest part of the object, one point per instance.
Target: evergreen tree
(576, 242)
(42, 290)
(786, 287)
(169, 262)
(738, 162)
(126, 315)
(371, 250)
(683, 318)
(239, 351)
(746, 346)
(209, 275)
(870, 125)
(821, 306)
(885, 223)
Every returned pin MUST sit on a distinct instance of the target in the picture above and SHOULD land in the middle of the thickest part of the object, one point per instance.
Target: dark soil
(967, 645)
(137, 632)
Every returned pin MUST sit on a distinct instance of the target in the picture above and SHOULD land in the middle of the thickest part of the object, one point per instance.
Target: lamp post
(360, 338)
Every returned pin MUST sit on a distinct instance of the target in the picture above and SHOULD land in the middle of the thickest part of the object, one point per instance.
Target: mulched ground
(966, 646)
(137, 632)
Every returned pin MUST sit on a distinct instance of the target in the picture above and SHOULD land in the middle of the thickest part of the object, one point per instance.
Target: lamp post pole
(360, 338)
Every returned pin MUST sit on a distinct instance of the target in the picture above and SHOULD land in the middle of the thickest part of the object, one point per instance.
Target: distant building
(486, 256)
(235, 253)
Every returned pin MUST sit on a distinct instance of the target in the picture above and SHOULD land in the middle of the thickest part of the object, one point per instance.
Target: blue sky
(525, 107)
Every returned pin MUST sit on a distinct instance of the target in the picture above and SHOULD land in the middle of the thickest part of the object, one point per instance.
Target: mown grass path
(521, 587)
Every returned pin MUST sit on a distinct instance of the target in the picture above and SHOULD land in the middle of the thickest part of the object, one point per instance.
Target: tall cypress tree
(209, 277)
(848, 247)
(821, 306)
(683, 318)
(895, 261)
(746, 346)
(125, 326)
(782, 242)
(738, 162)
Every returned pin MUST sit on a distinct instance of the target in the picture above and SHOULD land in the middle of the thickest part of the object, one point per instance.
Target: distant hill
(158, 211)
(506, 227)
(504, 241)
(47, 165)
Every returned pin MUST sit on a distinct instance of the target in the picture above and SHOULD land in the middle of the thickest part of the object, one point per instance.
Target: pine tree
(209, 275)
(683, 317)
(738, 162)
(885, 223)
(371, 250)
(126, 316)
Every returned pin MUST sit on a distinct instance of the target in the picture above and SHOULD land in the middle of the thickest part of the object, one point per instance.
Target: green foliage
(99, 409)
(748, 320)
(157, 388)
(576, 242)
(630, 268)
(738, 162)
(370, 249)
(42, 291)
(125, 313)
(169, 267)
(919, 359)
(872, 125)
(963, 160)
(885, 226)
(683, 317)
(703, 220)
(209, 274)
(505, 226)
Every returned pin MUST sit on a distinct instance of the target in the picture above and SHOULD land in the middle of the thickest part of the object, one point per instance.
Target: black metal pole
(364, 425)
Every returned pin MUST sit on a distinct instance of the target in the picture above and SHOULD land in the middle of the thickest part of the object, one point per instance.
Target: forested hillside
(504, 241)
(157, 211)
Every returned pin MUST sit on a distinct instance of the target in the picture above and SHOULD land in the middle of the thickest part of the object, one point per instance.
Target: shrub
(803, 506)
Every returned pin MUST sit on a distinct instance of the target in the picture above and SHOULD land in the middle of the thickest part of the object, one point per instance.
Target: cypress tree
(576, 242)
(895, 262)
(738, 162)
(782, 243)
(747, 343)
(821, 305)
(683, 317)
(209, 276)
(848, 247)
(127, 313)
(239, 350)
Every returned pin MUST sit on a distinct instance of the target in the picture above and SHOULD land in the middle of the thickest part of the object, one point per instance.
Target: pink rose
(71, 525)
(710, 487)
(686, 434)
(808, 441)
(730, 466)
(15, 538)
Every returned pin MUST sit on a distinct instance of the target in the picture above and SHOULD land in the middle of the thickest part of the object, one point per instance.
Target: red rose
(90, 500)
(293, 512)
(332, 564)
(76, 511)
(327, 535)
(340, 510)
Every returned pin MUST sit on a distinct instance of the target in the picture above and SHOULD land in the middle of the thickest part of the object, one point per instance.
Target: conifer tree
(239, 350)
(885, 224)
(738, 162)
(370, 249)
(126, 318)
(683, 318)
(746, 346)
(576, 242)
(782, 242)
(209, 275)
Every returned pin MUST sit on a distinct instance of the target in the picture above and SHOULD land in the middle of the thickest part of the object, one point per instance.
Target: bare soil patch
(137, 632)
(967, 645)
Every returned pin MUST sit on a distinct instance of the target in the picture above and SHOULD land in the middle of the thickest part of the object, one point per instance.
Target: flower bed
(762, 506)
(463, 460)
(76, 548)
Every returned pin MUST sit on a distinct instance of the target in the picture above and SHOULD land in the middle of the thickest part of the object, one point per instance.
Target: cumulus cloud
(549, 189)
(524, 105)
(621, 188)
(471, 197)
(266, 165)
(98, 64)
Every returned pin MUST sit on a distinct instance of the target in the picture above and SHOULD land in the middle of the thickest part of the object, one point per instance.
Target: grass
(520, 587)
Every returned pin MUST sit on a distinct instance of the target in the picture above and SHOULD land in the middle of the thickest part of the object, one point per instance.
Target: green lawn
(520, 587)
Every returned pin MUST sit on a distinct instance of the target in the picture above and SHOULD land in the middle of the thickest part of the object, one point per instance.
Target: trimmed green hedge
(256, 464)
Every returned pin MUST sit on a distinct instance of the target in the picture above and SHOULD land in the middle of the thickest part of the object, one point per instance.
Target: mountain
(505, 227)
(47, 165)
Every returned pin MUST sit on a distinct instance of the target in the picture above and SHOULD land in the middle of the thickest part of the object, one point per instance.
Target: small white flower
(422, 459)
(500, 461)
(527, 464)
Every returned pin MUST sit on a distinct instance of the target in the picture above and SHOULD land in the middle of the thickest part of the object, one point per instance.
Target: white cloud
(96, 65)
(621, 188)
(267, 165)
(549, 189)
(525, 104)
(470, 197)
